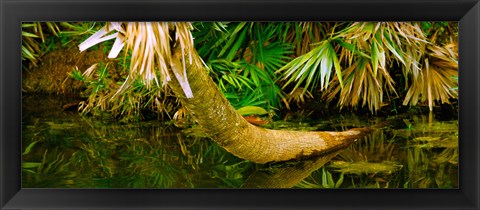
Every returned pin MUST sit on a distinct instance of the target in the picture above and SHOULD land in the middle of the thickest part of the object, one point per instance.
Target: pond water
(62, 149)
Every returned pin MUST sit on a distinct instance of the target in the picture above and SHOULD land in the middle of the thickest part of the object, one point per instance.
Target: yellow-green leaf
(31, 164)
(248, 110)
(374, 53)
(29, 147)
(336, 64)
(27, 34)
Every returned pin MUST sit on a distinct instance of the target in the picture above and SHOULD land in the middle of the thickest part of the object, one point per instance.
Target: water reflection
(64, 150)
(288, 174)
(418, 152)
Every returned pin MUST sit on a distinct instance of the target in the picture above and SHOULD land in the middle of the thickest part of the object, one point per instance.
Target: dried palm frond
(366, 49)
(413, 47)
(385, 42)
(151, 50)
(361, 85)
(437, 79)
(372, 48)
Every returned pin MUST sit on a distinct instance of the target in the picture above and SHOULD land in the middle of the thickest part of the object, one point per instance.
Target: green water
(62, 149)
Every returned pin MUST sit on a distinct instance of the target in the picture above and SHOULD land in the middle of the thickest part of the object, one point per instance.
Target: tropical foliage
(38, 38)
(31, 45)
(271, 64)
(260, 67)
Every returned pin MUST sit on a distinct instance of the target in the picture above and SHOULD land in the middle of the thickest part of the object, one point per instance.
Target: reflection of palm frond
(374, 148)
(53, 170)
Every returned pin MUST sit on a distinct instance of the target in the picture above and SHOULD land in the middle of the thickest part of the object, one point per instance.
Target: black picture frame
(13, 12)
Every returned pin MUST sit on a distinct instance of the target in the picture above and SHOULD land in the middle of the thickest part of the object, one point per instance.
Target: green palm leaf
(312, 67)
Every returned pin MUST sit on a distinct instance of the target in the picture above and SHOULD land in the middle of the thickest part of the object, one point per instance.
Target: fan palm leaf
(256, 48)
(436, 80)
(312, 68)
(303, 34)
(361, 86)
(370, 47)
(151, 52)
(384, 43)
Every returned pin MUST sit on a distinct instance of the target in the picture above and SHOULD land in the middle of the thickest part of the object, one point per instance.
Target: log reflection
(287, 174)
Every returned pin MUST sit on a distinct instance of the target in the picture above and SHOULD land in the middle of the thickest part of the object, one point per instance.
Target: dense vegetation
(262, 68)
(275, 65)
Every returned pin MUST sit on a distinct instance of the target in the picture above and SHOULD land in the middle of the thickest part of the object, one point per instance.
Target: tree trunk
(211, 110)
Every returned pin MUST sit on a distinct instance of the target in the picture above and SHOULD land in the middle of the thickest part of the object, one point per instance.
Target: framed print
(239, 104)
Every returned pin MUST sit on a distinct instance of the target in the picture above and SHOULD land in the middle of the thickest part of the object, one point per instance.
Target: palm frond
(303, 34)
(361, 85)
(207, 35)
(230, 78)
(402, 42)
(436, 81)
(31, 32)
(268, 56)
(151, 52)
(232, 41)
(313, 67)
